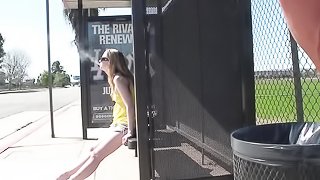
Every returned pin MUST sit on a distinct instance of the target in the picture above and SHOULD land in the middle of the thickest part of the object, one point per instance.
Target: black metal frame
(142, 101)
(247, 66)
(107, 18)
(83, 71)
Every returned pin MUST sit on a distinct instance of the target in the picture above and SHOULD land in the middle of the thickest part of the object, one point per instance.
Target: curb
(14, 138)
(21, 91)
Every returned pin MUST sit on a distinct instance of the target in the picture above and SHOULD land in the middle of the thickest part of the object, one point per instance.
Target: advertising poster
(111, 32)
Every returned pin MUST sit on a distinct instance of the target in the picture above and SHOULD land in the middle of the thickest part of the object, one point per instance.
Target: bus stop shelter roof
(88, 4)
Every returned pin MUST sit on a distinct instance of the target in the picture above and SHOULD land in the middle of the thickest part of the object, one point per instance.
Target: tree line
(59, 76)
(13, 71)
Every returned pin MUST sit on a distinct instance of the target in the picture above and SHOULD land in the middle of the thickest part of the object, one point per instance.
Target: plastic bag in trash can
(305, 133)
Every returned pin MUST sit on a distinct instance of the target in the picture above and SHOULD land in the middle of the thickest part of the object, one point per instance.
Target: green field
(275, 100)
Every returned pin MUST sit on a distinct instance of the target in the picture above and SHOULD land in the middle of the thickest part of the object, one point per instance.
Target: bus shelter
(194, 82)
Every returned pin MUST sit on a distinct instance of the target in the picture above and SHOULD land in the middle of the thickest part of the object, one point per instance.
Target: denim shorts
(116, 127)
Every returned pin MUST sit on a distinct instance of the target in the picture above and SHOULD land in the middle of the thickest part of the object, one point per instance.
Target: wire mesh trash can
(284, 151)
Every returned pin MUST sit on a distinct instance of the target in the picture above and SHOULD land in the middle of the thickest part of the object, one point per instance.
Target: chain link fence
(286, 82)
(287, 89)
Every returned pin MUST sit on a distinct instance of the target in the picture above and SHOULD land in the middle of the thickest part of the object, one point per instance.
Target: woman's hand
(126, 137)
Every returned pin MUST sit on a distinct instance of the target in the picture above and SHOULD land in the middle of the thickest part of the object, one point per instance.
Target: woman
(120, 80)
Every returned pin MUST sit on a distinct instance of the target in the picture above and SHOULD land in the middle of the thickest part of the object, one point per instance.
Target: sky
(23, 26)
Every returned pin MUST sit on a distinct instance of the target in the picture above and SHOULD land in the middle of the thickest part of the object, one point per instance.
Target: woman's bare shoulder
(120, 79)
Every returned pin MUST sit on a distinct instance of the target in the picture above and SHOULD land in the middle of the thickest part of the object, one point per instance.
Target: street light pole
(49, 70)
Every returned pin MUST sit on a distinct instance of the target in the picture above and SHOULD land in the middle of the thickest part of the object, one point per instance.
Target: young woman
(120, 80)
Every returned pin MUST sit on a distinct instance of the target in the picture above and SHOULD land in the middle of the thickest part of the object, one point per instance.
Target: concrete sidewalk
(33, 155)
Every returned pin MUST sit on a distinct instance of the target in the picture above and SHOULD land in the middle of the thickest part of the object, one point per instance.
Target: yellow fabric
(119, 109)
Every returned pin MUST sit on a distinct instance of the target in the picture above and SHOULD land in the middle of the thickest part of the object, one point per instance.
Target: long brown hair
(119, 66)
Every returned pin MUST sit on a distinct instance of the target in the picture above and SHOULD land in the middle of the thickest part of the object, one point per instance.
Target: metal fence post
(297, 80)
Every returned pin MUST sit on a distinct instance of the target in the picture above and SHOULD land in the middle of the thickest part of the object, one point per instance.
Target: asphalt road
(18, 110)
(13, 103)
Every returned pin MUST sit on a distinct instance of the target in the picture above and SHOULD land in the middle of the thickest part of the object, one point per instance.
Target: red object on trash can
(303, 19)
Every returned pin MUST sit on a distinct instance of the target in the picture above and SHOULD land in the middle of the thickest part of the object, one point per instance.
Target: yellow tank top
(119, 109)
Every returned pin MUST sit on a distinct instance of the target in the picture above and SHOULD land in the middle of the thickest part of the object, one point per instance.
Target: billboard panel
(105, 32)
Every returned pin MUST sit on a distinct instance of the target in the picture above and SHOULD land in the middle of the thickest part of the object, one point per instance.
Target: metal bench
(132, 144)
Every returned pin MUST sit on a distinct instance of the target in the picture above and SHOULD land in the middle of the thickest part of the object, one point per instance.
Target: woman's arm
(122, 85)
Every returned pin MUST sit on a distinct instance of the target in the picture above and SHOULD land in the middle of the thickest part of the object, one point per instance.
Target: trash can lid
(276, 142)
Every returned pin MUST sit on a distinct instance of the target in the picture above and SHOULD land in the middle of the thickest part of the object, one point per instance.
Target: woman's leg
(67, 174)
(102, 150)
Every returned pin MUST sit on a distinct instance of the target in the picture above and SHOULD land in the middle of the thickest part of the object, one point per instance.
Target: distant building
(273, 74)
(29, 82)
